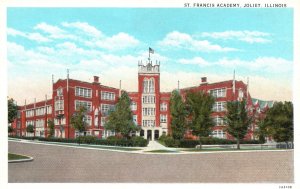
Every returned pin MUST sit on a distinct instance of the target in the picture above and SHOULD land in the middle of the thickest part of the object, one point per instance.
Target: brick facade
(150, 107)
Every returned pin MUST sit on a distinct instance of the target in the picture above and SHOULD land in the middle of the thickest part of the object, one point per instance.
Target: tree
(30, 129)
(200, 106)
(279, 121)
(120, 120)
(178, 115)
(51, 128)
(12, 110)
(238, 120)
(10, 129)
(78, 120)
(261, 132)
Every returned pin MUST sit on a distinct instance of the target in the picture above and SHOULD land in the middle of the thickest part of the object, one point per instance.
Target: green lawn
(223, 149)
(94, 146)
(16, 156)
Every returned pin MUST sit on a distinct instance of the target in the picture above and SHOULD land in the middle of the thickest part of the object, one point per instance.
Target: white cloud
(176, 39)
(117, 42)
(84, 27)
(246, 36)
(31, 36)
(266, 64)
(54, 31)
(196, 60)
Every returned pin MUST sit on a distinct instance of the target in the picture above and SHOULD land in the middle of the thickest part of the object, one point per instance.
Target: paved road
(62, 164)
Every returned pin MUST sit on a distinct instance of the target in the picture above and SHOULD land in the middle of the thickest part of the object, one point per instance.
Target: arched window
(145, 85)
(151, 85)
(148, 85)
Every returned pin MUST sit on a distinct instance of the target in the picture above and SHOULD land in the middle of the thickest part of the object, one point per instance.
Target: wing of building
(150, 107)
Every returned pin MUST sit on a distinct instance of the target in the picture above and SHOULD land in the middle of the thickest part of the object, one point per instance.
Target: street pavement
(65, 164)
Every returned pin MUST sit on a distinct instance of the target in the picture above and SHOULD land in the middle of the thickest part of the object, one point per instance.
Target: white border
(136, 3)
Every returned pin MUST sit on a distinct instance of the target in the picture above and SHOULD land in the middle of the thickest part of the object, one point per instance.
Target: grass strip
(12, 156)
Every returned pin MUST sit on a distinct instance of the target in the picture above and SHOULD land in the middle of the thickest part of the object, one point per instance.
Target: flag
(151, 50)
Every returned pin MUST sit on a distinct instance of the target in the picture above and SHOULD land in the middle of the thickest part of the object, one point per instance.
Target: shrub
(86, 139)
(139, 141)
(170, 142)
(111, 141)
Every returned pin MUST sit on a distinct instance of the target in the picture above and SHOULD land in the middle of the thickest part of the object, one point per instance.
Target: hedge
(185, 143)
(111, 141)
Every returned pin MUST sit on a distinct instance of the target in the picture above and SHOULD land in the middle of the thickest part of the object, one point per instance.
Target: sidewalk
(154, 145)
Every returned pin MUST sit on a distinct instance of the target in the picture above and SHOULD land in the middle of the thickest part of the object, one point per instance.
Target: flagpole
(149, 54)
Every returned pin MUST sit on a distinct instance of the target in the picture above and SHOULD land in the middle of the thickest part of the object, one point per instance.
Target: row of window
(105, 108)
(38, 111)
(219, 106)
(107, 95)
(148, 99)
(218, 134)
(83, 92)
(218, 92)
(86, 104)
(41, 111)
(148, 111)
(148, 123)
(219, 121)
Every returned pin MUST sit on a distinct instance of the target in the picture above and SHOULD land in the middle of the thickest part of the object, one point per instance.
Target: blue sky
(190, 43)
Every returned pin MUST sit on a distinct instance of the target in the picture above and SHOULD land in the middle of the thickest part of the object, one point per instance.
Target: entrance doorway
(142, 133)
(156, 134)
(149, 135)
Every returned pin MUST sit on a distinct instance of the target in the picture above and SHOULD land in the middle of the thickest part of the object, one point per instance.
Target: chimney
(203, 80)
(96, 79)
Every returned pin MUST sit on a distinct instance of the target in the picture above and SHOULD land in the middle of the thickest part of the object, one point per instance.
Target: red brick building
(150, 107)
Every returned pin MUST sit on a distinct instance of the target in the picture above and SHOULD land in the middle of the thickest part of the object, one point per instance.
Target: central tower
(149, 95)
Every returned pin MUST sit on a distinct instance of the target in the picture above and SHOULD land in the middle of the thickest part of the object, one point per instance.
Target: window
(133, 106)
(29, 123)
(148, 111)
(59, 105)
(107, 95)
(241, 94)
(163, 107)
(163, 118)
(107, 133)
(49, 109)
(218, 134)
(105, 108)
(148, 85)
(29, 113)
(86, 104)
(39, 123)
(218, 121)
(83, 92)
(218, 92)
(40, 111)
(103, 121)
(18, 124)
(149, 99)
(148, 123)
(88, 120)
(61, 121)
(219, 106)
(60, 92)
(18, 114)
(134, 119)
